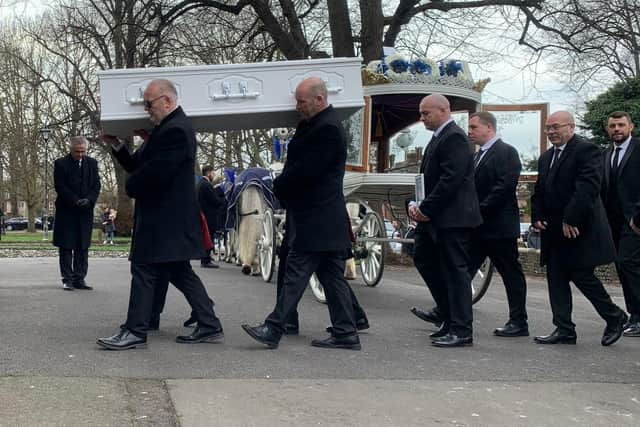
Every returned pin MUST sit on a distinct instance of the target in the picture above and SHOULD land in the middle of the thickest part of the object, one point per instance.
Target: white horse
(251, 207)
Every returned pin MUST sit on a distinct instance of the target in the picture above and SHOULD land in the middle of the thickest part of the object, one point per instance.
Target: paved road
(51, 371)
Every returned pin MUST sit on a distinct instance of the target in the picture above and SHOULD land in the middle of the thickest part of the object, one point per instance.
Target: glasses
(555, 127)
(148, 104)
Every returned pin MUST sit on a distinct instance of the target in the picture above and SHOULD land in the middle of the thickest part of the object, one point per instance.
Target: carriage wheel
(266, 246)
(372, 265)
(480, 282)
(317, 289)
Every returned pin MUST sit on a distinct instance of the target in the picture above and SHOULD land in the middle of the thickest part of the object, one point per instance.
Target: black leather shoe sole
(212, 338)
(109, 346)
(631, 332)
(452, 344)
(425, 316)
(556, 340)
(259, 338)
(509, 334)
(324, 344)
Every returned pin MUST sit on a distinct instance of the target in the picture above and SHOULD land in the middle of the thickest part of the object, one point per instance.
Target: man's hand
(83, 203)
(634, 227)
(111, 140)
(569, 231)
(416, 215)
(142, 133)
(540, 225)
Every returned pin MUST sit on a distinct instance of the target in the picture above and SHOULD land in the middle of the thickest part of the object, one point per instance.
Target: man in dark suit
(161, 182)
(77, 184)
(620, 193)
(497, 169)
(567, 209)
(446, 218)
(310, 188)
(211, 202)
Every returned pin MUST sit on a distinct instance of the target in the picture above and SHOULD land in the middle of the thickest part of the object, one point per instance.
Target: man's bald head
(311, 97)
(434, 111)
(560, 127)
(160, 99)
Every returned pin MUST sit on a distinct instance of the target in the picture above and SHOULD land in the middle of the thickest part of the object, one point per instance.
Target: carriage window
(353, 130)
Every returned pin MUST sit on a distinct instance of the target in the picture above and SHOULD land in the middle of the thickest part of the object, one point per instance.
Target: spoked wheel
(372, 264)
(266, 245)
(480, 282)
(317, 289)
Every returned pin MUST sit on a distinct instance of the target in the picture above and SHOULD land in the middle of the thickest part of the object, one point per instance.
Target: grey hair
(78, 140)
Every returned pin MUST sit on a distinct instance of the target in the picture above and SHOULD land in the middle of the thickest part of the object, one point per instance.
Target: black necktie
(477, 158)
(613, 175)
(556, 154)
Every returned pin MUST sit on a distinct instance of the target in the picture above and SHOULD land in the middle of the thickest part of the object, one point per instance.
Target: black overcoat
(570, 193)
(73, 224)
(496, 179)
(166, 216)
(311, 185)
(450, 195)
(211, 204)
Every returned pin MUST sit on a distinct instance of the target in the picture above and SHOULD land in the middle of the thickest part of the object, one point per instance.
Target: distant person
(211, 203)
(166, 233)
(108, 225)
(77, 185)
(497, 170)
(566, 207)
(620, 193)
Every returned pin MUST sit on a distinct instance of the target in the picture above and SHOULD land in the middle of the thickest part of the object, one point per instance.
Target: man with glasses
(620, 193)
(161, 181)
(567, 209)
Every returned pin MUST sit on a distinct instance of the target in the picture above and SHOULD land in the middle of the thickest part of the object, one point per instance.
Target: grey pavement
(52, 373)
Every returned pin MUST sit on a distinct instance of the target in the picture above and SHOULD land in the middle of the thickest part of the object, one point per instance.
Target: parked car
(16, 223)
(530, 236)
(38, 222)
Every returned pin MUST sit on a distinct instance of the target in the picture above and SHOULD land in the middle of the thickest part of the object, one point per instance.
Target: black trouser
(329, 268)
(503, 254)
(74, 264)
(443, 263)
(558, 278)
(628, 266)
(147, 278)
(292, 320)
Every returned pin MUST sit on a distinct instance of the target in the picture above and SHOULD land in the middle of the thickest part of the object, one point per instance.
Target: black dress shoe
(290, 329)
(123, 340)
(67, 286)
(154, 323)
(557, 337)
(431, 316)
(349, 342)
(264, 334)
(201, 334)
(191, 321)
(612, 333)
(82, 285)
(443, 331)
(512, 330)
(632, 330)
(361, 325)
(451, 340)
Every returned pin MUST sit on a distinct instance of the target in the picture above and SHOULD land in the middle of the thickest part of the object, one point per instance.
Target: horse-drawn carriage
(238, 96)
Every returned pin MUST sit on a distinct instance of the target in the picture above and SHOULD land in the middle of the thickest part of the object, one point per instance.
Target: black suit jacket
(166, 217)
(73, 225)
(311, 185)
(211, 203)
(628, 182)
(450, 194)
(496, 179)
(570, 193)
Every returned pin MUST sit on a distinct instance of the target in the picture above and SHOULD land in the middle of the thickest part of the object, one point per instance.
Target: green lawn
(26, 240)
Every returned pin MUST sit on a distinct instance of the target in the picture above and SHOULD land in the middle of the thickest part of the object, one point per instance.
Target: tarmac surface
(53, 373)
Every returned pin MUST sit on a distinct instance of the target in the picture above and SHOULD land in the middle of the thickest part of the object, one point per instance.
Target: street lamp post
(45, 132)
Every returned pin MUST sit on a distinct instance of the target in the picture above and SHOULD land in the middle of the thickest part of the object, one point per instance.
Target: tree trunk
(341, 33)
(372, 28)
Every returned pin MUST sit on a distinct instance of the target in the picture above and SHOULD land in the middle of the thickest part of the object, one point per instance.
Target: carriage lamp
(45, 132)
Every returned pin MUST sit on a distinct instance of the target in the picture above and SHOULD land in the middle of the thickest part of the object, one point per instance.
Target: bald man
(166, 232)
(446, 219)
(310, 187)
(567, 209)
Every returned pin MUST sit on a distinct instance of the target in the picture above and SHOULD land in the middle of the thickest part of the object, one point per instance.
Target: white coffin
(231, 96)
